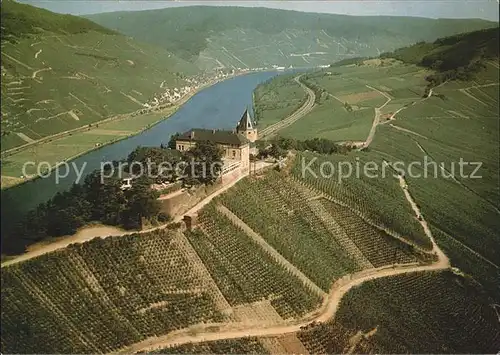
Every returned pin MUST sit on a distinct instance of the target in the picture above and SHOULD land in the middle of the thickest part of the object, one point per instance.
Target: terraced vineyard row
(236, 346)
(364, 241)
(423, 313)
(102, 295)
(378, 247)
(333, 338)
(305, 201)
(290, 227)
(379, 199)
(243, 271)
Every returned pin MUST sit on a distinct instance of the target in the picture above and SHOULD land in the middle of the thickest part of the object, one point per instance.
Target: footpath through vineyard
(327, 311)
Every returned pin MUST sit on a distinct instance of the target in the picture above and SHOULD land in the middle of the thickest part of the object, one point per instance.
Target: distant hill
(257, 37)
(61, 72)
(454, 57)
(20, 20)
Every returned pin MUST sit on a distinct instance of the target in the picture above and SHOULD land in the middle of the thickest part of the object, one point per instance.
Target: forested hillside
(61, 72)
(20, 21)
(453, 57)
(256, 37)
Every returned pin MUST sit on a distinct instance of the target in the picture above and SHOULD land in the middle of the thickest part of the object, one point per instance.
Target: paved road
(295, 116)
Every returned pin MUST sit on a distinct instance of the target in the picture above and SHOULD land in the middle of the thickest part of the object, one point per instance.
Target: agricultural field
(458, 121)
(337, 253)
(53, 83)
(245, 274)
(379, 199)
(307, 231)
(86, 298)
(347, 97)
(66, 148)
(421, 313)
(236, 346)
(332, 121)
(276, 99)
(444, 128)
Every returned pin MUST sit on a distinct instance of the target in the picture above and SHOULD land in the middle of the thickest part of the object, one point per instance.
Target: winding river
(218, 106)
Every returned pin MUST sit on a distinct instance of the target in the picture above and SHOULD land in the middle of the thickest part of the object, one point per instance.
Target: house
(126, 179)
(235, 144)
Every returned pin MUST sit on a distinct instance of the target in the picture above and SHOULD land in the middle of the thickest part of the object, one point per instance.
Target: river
(218, 106)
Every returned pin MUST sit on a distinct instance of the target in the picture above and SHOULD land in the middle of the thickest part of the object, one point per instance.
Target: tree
(141, 203)
(106, 198)
(276, 151)
(154, 162)
(203, 162)
(173, 139)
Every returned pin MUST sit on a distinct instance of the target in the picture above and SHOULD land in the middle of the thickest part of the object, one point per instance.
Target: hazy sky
(486, 9)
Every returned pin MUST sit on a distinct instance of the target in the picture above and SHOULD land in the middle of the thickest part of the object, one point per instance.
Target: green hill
(257, 37)
(20, 20)
(453, 57)
(61, 72)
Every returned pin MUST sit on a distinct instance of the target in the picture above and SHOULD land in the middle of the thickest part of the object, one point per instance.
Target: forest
(101, 199)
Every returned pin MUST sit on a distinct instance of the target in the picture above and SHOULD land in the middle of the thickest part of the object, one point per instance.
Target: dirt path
(295, 116)
(376, 119)
(481, 86)
(211, 332)
(89, 233)
(464, 91)
(442, 258)
(209, 198)
(82, 236)
(331, 303)
(33, 76)
(407, 131)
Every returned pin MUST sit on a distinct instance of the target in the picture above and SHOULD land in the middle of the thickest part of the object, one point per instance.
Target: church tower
(245, 127)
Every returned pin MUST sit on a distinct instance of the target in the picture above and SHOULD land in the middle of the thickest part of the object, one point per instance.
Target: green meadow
(62, 149)
(459, 121)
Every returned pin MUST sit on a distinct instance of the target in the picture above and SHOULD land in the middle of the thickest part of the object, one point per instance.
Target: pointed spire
(245, 122)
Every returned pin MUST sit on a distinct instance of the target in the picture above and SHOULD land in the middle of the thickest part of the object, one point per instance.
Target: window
(234, 153)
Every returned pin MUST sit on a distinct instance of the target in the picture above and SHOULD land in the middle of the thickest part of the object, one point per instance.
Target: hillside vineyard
(314, 183)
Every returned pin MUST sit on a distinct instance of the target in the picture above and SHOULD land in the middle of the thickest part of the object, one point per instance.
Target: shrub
(163, 217)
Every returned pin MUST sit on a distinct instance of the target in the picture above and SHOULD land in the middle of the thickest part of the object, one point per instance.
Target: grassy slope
(57, 80)
(463, 212)
(276, 99)
(76, 144)
(255, 37)
(460, 120)
(450, 52)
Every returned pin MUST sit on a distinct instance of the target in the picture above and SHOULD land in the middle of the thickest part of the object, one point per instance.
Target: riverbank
(67, 146)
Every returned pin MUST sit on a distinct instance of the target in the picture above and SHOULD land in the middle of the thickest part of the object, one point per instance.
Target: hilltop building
(236, 144)
(246, 127)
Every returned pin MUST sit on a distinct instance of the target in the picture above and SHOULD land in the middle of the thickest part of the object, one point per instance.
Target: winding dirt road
(92, 232)
(331, 302)
(376, 119)
(296, 115)
(327, 311)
